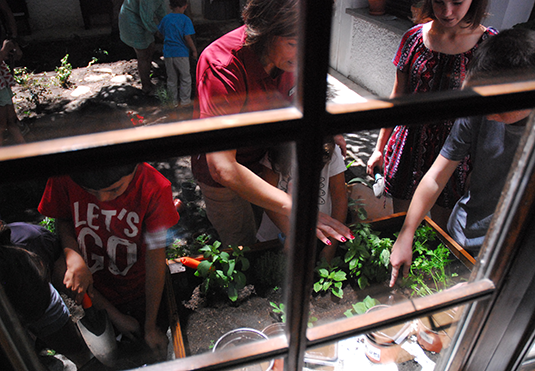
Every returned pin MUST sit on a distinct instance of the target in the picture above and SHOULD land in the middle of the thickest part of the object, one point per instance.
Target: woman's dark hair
(510, 53)
(24, 278)
(474, 16)
(102, 178)
(281, 158)
(266, 19)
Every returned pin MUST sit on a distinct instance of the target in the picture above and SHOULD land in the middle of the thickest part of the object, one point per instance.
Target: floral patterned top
(411, 150)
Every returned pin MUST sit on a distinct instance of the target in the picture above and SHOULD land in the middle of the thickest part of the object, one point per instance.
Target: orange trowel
(98, 333)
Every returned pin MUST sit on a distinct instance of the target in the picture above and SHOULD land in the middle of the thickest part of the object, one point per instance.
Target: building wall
(363, 46)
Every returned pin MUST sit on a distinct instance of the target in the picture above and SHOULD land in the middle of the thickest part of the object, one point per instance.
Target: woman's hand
(328, 227)
(375, 160)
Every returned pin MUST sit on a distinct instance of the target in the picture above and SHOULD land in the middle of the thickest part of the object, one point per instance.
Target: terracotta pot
(380, 346)
(437, 335)
(377, 7)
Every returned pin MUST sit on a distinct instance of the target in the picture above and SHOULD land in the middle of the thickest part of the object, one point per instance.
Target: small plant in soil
(223, 270)
(37, 89)
(368, 255)
(64, 71)
(331, 277)
(428, 272)
(361, 307)
(278, 309)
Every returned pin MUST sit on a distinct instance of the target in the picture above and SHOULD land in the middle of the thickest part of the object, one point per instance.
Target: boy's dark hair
(266, 19)
(510, 53)
(177, 3)
(474, 16)
(24, 278)
(102, 178)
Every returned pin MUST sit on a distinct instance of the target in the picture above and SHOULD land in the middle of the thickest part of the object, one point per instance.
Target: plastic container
(239, 337)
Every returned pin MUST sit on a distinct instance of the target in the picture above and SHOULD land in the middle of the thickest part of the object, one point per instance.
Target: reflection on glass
(420, 341)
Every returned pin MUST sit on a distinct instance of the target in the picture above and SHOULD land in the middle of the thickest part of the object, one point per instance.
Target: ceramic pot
(377, 7)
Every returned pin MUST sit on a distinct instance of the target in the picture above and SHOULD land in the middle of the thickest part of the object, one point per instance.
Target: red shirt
(231, 79)
(110, 234)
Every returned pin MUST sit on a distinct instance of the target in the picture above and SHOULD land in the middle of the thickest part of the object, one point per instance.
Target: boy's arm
(78, 277)
(191, 46)
(154, 282)
(423, 200)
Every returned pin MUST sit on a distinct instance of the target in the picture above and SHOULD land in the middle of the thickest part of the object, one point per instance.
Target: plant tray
(394, 222)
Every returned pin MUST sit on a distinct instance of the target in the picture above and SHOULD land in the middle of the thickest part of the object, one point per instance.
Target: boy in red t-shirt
(112, 224)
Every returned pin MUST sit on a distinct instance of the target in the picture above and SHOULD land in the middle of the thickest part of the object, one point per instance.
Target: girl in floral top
(432, 56)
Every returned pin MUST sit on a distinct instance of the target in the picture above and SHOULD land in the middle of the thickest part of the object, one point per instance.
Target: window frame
(307, 124)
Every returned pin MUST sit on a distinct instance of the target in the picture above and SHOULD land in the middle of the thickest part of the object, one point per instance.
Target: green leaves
(362, 306)
(331, 276)
(367, 256)
(221, 269)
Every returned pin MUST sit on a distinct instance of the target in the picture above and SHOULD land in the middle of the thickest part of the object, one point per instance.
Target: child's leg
(185, 81)
(172, 78)
(12, 124)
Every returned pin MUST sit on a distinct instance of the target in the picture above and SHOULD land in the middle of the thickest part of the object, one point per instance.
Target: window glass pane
(93, 82)
(409, 345)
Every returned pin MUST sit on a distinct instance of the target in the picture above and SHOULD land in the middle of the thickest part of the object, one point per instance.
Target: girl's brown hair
(474, 16)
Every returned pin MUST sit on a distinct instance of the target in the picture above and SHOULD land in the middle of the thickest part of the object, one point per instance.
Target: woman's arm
(225, 170)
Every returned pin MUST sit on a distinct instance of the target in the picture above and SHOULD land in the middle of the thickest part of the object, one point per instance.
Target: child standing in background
(177, 29)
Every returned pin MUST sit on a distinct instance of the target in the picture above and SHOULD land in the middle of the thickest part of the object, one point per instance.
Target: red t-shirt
(231, 79)
(110, 234)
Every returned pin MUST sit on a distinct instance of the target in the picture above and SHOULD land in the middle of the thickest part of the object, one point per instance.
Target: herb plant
(49, 223)
(221, 269)
(64, 71)
(429, 265)
(367, 255)
(361, 307)
(331, 277)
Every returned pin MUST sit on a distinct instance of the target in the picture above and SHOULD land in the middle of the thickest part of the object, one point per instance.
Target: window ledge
(387, 21)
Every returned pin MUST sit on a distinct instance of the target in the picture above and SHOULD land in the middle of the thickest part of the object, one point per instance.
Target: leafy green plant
(36, 88)
(49, 223)
(361, 307)
(64, 71)
(331, 277)
(429, 265)
(279, 309)
(220, 269)
(367, 255)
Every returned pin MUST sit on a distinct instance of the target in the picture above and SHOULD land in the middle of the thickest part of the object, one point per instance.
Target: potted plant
(377, 7)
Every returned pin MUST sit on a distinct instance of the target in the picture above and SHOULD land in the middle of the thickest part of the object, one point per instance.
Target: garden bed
(205, 318)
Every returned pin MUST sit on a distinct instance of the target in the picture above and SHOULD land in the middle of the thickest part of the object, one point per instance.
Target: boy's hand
(401, 256)
(78, 277)
(157, 341)
(127, 325)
